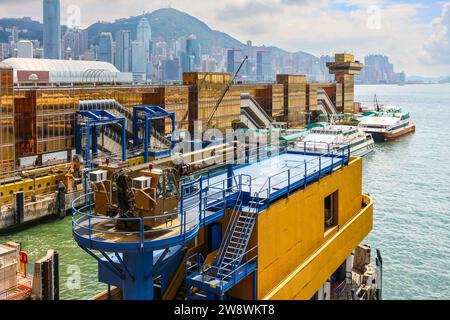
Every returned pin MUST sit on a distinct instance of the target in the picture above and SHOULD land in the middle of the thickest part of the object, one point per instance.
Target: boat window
(331, 210)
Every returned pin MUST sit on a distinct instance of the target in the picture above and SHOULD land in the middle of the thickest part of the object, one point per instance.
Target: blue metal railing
(195, 266)
(87, 224)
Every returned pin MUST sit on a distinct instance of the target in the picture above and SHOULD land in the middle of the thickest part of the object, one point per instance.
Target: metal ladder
(237, 238)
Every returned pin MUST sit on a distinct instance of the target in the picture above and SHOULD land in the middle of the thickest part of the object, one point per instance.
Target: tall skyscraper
(52, 29)
(138, 60)
(232, 60)
(193, 50)
(263, 65)
(105, 47)
(144, 34)
(123, 50)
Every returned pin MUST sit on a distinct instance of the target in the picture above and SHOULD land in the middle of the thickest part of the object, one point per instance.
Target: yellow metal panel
(298, 223)
(305, 280)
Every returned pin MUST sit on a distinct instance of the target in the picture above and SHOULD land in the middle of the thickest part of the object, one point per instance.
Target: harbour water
(409, 180)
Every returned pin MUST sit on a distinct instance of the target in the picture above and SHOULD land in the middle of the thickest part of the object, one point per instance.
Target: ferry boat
(335, 138)
(389, 124)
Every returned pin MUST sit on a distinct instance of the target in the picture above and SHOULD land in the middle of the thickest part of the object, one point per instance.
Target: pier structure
(216, 244)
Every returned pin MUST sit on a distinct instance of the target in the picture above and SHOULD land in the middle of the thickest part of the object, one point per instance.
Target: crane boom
(222, 96)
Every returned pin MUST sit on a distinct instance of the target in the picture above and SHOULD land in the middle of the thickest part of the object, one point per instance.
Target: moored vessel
(335, 138)
(388, 125)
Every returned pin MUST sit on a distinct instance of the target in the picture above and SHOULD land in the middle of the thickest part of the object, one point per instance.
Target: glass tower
(52, 29)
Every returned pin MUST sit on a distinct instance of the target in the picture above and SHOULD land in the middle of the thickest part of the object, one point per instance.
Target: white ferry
(334, 138)
(388, 124)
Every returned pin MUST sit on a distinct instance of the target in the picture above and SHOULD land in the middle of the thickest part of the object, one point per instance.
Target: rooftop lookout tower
(345, 68)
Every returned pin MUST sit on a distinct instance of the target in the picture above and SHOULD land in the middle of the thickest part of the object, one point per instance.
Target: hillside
(167, 25)
(29, 29)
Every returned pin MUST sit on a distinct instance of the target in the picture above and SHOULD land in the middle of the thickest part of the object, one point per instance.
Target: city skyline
(165, 59)
(414, 34)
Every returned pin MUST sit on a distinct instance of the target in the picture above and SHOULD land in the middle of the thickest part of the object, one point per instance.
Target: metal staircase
(236, 239)
(233, 261)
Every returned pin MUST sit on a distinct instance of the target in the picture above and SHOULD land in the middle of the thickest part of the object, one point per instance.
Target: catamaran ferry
(332, 138)
(389, 124)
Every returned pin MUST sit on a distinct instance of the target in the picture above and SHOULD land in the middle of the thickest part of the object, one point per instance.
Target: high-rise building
(77, 40)
(263, 65)
(5, 51)
(193, 50)
(250, 62)
(144, 34)
(208, 64)
(24, 49)
(14, 38)
(378, 69)
(123, 50)
(171, 69)
(232, 60)
(138, 63)
(185, 62)
(105, 47)
(52, 29)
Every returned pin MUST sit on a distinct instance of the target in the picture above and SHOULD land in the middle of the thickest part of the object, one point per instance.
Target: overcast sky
(414, 34)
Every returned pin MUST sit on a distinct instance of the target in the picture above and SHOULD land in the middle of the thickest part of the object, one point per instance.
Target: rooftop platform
(205, 200)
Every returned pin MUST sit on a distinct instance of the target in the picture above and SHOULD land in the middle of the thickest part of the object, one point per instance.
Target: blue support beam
(93, 119)
(150, 113)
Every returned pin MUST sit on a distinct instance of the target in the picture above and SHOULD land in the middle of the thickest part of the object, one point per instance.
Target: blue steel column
(141, 287)
(229, 176)
(173, 130)
(78, 137)
(88, 144)
(135, 127)
(94, 140)
(146, 138)
(124, 139)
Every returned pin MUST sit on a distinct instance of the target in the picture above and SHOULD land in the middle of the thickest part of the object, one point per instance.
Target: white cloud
(436, 49)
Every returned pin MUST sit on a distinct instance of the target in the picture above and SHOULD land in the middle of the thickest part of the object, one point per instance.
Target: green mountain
(28, 29)
(167, 25)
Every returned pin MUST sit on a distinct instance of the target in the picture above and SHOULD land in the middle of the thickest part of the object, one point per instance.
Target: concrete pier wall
(43, 207)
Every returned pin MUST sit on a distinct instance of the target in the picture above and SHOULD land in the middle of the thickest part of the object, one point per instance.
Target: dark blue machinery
(88, 122)
(144, 115)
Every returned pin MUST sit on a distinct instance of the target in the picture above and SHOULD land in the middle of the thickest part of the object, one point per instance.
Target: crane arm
(222, 96)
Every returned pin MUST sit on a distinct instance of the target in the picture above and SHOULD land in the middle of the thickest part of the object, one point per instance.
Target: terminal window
(331, 210)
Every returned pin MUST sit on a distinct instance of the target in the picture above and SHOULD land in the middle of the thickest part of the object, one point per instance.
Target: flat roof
(276, 170)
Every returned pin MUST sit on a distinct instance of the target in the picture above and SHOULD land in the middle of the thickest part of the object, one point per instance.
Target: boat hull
(361, 152)
(389, 136)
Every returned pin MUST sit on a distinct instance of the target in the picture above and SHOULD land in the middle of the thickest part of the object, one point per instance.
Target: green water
(57, 235)
(409, 180)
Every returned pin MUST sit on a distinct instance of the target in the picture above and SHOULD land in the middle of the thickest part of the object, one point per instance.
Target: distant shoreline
(396, 84)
